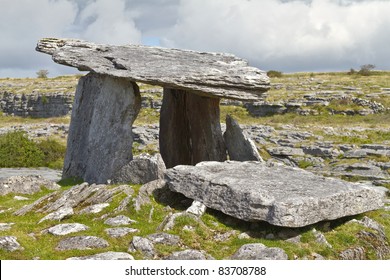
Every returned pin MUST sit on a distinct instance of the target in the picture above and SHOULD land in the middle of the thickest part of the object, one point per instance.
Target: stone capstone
(25, 184)
(100, 134)
(240, 147)
(141, 170)
(82, 243)
(258, 251)
(278, 194)
(207, 74)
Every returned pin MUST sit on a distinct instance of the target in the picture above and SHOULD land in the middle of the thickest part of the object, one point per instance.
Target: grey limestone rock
(64, 229)
(25, 184)
(141, 170)
(106, 256)
(81, 243)
(240, 147)
(10, 244)
(120, 220)
(146, 191)
(120, 231)
(95, 208)
(164, 238)
(258, 251)
(357, 253)
(6, 226)
(197, 208)
(143, 245)
(188, 255)
(278, 194)
(58, 215)
(208, 74)
(100, 134)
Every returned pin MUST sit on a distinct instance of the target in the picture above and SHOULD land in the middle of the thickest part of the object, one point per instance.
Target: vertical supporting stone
(100, 135)
(190, 129)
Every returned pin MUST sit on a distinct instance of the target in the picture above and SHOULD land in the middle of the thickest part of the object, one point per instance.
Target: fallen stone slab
(281, 195)
(10, 244)
(258, 251)
(64, 229)
(82, 243)
(207, 74)
(25, 184)
(106, 256)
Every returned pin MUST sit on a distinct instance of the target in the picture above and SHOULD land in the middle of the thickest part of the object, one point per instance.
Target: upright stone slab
(190, 130)
(100, 137)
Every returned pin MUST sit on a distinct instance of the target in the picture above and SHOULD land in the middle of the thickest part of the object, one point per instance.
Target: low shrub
(274, 74)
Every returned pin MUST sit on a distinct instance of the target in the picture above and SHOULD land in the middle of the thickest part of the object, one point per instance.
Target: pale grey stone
(20, 198)
(207, 74)
(120, 231)
(95, 208)
(106, 256)
(6, 226)
(278, 194)
(320, 238)
(100, 134)
(146, 191)
(45, 173)
(58, 215)
(258, 251)
(141, 170)
(10, 244)
(64, 229)
(25, 184)
(285, 151)
(197, 208)
(240, 147)
(188, 255)
(221, 237)
(81, 243)
(357, 253)
(164, 238)
(120, 220)
(143, 245)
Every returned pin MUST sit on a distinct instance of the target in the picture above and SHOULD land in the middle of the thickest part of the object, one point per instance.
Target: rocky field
(332, 124)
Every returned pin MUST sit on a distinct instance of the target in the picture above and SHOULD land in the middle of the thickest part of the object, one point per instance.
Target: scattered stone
(258, 251)
(10, 244)
(357, 253)
(285, 151)
(240, 147)
(378, 242)
(146, 191)
(58, 215)
(317, 257)
(106, 256)
(164, 238)
(25, 185)
(221, 237)
(143, 245)
(370, 223)
(64, 229)
(320, 238)
(6, 226)
(120, 220)
(93, 209)
(244, 235)
(120, 232)
(141, 170)
(197, 208)
(188, 255)
(81, 243)
(20, 198)
(278, 194)
(45, 173)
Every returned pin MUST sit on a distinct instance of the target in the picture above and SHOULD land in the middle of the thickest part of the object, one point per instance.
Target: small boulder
(106, 256)
(58, 215)
(188, 255)
(10, 244)
(82, 243)
(258, 251)
(164, 238)
(120, 220)
(25, 184)
(141, 170)
(64, 229)
(120, 231)
(143, 245)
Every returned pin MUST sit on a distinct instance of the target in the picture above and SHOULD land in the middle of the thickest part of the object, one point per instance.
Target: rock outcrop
(25, 184)
(278, 194)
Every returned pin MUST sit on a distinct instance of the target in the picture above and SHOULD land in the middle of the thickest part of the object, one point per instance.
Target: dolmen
(192, 146)
(108, 101)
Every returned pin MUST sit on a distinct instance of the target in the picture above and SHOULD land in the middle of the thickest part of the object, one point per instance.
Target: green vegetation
(17, 150)
(42, 74)
(274, 74)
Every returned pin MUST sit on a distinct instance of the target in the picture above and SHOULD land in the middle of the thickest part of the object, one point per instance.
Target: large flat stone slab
(278, 194)
(209, 74)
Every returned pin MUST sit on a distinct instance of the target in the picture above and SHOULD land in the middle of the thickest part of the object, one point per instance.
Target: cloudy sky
(284, 35)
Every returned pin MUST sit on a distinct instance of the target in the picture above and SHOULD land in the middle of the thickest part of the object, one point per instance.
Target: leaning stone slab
(10, 244)
(258, 251)
(207, 74)
(82, 243)
(278, 194)
(106, 256)
(25, 184)
(240, 147)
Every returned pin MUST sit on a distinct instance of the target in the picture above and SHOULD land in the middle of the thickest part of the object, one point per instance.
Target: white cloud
(293, 35)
